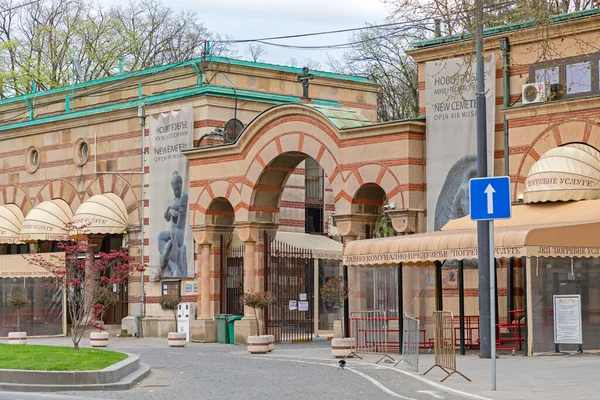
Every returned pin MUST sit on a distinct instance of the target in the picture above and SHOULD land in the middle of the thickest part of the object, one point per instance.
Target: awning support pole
(400, 309)
(438, 286)
(346, 303)
(509, 289)
(461, 305)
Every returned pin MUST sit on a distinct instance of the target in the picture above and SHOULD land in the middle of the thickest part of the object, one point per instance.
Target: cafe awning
(566, 229)
(11, 220)
(102, 214)
(321, 246)
(47, 221)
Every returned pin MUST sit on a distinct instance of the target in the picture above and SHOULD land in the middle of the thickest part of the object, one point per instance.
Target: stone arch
(13, 194)
(555, 135)
(59, 189)
(374, 175)
(117, 184)
(215, 189)
(220, 212)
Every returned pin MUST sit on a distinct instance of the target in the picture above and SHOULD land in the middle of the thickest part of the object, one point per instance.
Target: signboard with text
(567, 319)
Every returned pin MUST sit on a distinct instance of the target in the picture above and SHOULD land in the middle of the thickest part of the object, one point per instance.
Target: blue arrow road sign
(489, 198)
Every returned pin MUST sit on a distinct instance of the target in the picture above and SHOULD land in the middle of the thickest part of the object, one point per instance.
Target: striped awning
(102, 214)
(47, 221)
(11, 221)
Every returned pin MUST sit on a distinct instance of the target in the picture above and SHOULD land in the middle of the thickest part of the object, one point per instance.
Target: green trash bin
(231, 321)
(222, 334)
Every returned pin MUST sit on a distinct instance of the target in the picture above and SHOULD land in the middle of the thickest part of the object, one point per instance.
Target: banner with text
(171, 241)
(452, 135)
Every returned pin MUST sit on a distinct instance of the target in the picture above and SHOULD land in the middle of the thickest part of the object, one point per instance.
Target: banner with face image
(170, 237)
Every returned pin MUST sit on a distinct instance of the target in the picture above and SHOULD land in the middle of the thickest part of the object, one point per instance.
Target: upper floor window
(568, 77)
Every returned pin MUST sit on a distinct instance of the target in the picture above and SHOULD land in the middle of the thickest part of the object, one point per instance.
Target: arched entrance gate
(240, 185)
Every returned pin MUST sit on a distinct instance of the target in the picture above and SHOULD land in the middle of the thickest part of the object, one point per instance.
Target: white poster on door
(567, 319)
(451, 135)
(170, 236)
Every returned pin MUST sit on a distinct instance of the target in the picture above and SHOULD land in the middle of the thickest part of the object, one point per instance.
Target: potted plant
(260, 343)
(171, 302)
(105, 298)
(336, 291)
(18, 300)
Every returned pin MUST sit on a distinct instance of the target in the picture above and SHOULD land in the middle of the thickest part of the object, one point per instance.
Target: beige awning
(321, 247)
(102, 214)
(47, 221)
(570, 229)
(11, 220)
(19, 265)
(570, 172)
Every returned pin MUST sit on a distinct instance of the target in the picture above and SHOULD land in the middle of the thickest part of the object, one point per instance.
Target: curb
(120, 376)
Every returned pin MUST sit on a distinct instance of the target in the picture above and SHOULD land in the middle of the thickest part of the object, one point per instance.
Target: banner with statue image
(170, 236)
(452, 135)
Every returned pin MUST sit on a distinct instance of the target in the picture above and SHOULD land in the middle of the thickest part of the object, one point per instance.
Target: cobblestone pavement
(212, 371)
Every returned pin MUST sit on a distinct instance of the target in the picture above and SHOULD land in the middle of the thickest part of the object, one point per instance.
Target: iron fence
(370, 330)
(410, 342)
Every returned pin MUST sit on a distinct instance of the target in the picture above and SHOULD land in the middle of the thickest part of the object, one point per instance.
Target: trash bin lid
(234, 318)
(222, 316)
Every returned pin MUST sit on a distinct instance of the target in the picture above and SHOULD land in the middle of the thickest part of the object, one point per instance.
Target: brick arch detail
(59, 189)
(555, 135)
(377, 174)
(14, 194)
(117, 184)
(217, 188)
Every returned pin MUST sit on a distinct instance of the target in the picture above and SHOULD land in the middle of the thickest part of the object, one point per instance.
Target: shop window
(171, 288)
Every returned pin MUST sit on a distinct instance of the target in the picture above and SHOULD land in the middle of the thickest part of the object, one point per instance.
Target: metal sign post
(489, 199)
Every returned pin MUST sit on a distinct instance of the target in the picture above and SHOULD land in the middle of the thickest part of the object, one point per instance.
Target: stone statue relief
(171, 244)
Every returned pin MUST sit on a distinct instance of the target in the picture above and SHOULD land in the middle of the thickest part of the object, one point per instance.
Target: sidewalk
(551, 377)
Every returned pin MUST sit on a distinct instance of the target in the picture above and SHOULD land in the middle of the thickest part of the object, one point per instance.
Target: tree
(258, 300)
(335, 291)
(308, 62)
(255, 51)
(85, 276)
(44, 41)
(18, 300)
(170, 302)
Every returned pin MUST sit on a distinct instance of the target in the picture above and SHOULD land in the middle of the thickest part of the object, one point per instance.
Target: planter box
(259, 344)
(176, 339)
(99, 339)
(342, 347)
(271, 342)
(17, 337)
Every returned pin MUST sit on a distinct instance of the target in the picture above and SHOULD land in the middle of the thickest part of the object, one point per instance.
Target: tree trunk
(18, 320)
(257, 325)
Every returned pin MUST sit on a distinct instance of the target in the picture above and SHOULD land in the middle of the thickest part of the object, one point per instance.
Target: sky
(249, 19)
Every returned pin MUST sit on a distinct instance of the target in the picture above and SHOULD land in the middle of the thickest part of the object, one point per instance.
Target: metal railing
(370, 330)
(410, 342)
(445, 355)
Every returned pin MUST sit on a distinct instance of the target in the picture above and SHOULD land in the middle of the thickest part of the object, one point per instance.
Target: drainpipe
(505, 48)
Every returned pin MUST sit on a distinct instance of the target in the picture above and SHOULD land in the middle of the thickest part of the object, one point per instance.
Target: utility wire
(19, 6)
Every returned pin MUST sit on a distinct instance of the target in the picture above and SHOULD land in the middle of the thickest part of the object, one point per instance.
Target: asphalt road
(228, 372)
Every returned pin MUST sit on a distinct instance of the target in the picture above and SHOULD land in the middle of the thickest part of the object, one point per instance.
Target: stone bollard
(17, 337)
(176, 339)
(341, 347)
(99, 339)
(258, 344)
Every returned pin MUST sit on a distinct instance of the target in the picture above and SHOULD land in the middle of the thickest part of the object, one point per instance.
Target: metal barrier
(445, 356)
(410, 342)
(370, 330)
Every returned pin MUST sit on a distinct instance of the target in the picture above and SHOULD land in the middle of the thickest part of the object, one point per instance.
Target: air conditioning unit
(538, 92)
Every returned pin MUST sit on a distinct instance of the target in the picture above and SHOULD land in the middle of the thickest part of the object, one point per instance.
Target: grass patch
(55, 358)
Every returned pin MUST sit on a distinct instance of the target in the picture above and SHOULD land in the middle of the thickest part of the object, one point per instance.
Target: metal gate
(232, 284)
(289, 275)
